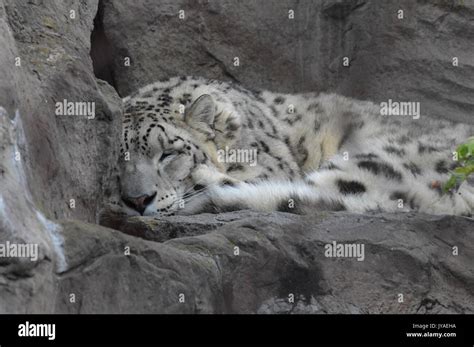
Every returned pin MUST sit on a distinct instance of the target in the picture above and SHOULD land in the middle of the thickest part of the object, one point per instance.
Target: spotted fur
(314, 151)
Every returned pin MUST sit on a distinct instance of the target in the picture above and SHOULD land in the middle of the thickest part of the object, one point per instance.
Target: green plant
(465, 157)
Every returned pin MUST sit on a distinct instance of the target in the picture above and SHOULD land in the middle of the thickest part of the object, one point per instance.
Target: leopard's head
(159, 153)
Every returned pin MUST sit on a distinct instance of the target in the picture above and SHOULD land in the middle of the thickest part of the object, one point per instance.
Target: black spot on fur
(235, 167)
(403, 140)
(413, 168)
(441, 167)
(393, 150)
(293, 119)
(422, 148)
(329, 166)
(250, 124)
(314, 107)
(350, 187)
(348, 131)
(316, 126)
(274, 111)
(161, 127)
(279, 100)
(227, 183)
(264, 146)
(302, 151)
(380, 168)
(366, 156)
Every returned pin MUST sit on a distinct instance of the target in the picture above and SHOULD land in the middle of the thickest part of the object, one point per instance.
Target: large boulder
(27, 284)
(248, 262)
(405, 56)
(51, 166)
(44, 60)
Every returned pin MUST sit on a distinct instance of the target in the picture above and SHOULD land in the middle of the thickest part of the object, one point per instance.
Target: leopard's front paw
(208, 176)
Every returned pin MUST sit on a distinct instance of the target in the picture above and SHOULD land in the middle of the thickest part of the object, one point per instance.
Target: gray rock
(45, 59)
(280, 266)
(26, 284)
(65, 157)
(409, 59)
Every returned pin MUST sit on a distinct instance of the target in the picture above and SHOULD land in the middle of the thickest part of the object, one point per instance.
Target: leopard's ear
(200, 115)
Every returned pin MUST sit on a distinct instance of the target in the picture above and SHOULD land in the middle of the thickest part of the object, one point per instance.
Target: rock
(340, 9)
(65, 157)
(280, 256)
(26, 284)
(408, 59)
(48, 159)
(160, 230)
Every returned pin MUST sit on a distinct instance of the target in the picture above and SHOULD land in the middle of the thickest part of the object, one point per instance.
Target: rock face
(257, 262)
(26, 285)
(49, 159)
(240, 262)
(407, 59)
(46, 60)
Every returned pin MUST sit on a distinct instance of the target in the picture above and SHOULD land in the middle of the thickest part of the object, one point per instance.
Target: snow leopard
(192, 145)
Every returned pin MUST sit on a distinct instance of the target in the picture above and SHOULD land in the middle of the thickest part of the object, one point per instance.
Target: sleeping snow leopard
(313, 151)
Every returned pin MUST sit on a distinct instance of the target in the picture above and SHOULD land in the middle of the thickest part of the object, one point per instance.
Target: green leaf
(470, 147)
(454, 181)
(463, 151)
(463, 170)
(465, 166)
(450, 183)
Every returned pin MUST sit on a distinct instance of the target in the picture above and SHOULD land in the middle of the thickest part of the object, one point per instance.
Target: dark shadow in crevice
(102, 52)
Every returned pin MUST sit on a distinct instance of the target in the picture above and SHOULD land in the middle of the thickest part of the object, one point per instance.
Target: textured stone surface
(279, 254)
(65, 157)
(405, 60)
(59, 157)
(25, 285)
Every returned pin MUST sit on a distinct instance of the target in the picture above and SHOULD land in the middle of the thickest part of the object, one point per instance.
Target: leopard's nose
(139, 203)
